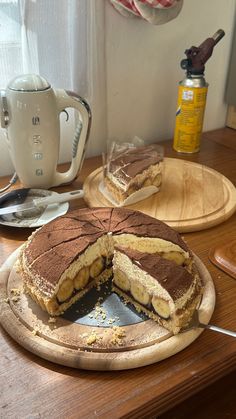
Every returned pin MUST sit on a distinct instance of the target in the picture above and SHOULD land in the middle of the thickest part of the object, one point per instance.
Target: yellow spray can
(192, 96)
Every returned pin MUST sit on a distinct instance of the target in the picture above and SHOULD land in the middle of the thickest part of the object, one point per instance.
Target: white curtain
(63, 41)
(29, 49)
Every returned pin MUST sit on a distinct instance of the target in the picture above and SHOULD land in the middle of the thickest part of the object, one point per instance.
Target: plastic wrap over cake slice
(131, 173)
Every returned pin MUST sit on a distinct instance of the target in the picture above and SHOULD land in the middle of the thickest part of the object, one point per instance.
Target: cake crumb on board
(15, 294)
(118, 334)
(91, 339)
(15, 291)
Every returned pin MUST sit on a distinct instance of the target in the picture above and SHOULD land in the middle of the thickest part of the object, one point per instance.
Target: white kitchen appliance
(30, 111)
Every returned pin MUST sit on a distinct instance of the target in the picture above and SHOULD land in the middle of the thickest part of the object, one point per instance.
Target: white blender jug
(30, 110)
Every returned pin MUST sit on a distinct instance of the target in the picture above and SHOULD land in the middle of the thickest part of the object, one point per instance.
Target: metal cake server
(195, 323)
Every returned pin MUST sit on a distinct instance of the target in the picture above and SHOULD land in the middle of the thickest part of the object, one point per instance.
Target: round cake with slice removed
(150, 264)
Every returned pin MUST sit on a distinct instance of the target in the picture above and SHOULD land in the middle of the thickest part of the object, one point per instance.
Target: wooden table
(200, 379)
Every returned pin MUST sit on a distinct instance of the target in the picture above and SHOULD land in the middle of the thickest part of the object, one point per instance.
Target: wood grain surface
(224, 256)
(193, 197)
(202, 375)
(65, 342)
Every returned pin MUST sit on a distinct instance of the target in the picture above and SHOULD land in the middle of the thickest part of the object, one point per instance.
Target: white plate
(34, 218)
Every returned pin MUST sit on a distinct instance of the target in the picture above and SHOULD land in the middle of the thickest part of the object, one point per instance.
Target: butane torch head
(218, 35)
(198, 56)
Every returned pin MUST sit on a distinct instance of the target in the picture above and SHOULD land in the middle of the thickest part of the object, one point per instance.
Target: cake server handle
(217, 329)
(196, 323)
(56, 199)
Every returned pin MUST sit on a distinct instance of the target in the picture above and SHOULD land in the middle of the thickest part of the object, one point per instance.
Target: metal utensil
(196, 323)
(43, 202)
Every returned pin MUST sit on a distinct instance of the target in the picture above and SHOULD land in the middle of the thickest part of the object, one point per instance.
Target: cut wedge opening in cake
(152, 267)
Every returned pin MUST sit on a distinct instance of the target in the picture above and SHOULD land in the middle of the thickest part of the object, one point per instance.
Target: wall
(143, 73)
(143, 68)
(230, 95)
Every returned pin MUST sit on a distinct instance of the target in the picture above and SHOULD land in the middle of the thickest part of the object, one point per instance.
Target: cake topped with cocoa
(131, 170)
(64, 259)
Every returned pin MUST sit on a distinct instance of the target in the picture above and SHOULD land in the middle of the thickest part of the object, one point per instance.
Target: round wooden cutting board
(89, 344)
(193, 197)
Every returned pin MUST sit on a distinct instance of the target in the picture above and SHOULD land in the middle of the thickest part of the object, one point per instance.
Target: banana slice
(82, 278)
(96, 267)
(51, 306)
(147, 182)
(65, 290)
(157, 180)
(121, 280)
(176, 257)
(161, 307)
(139, 293)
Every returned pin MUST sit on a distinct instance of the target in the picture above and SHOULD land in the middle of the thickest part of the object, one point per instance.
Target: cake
(130, 170)
(152, 265)
(157, 286)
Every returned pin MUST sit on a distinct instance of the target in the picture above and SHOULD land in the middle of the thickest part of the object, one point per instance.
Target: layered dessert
(133, 169)
(152, 266)
(159, 287)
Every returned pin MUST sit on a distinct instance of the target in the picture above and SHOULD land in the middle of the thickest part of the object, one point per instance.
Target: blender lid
(29, 83)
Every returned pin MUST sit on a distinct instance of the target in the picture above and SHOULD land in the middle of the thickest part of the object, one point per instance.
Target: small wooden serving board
(193, 197)
(224, 257)
(66, 342)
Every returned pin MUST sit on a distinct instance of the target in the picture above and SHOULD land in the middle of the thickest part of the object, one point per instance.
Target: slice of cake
(165, 291)
(133, 169)
(64, 259)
